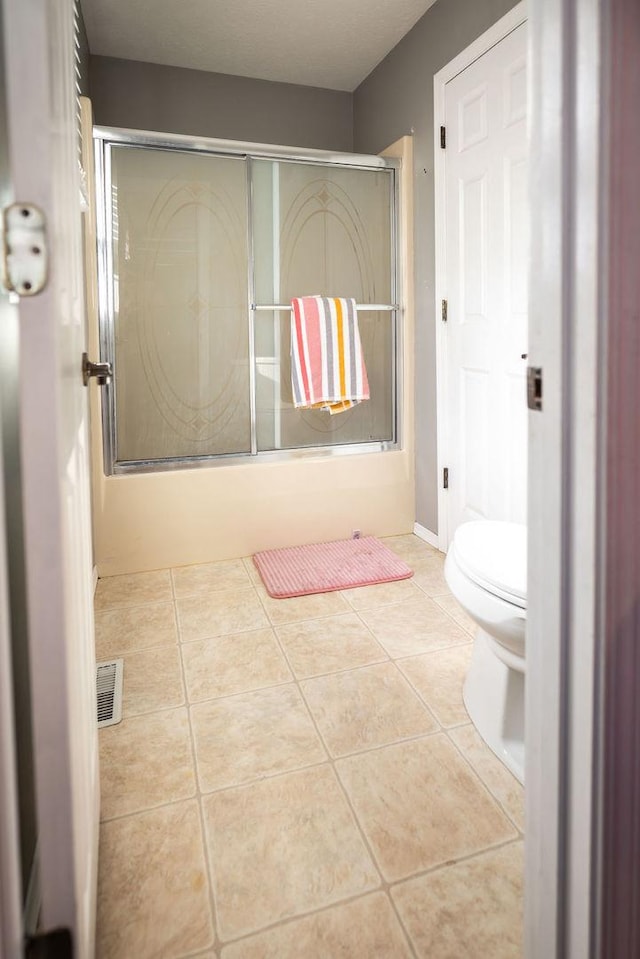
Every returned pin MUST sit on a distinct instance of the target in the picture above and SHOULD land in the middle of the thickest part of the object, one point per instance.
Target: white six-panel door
(484, 425)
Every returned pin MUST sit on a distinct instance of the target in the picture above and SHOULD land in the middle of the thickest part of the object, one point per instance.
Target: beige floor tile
(206, 577)
(120, 631)
(145, 761)
(495, 775)
(234, 663)
(411, 548)
(366, 707)
(472, 908)
(299, 608)
(153, 900)
(364, 929)
(439, 678)
(214, 614)
(413, 628)
(450, 605)
(382, 594)
(429, 576)
(251, 570)
(134, 589)
(256, 734)
(152, 680)
(420, 805)
(327, 645)
(282, 847)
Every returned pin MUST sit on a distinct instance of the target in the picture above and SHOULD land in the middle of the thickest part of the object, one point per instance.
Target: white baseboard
(426, 534)
(95, 579)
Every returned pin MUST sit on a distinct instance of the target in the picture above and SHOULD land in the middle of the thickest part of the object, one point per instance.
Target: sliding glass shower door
(328, 230)
(179, 311)
(201, 256)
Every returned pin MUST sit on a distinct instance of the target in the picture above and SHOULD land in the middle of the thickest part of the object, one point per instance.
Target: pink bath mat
(323, 567)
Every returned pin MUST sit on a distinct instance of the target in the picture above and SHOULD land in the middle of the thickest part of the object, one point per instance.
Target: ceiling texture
(323, 43)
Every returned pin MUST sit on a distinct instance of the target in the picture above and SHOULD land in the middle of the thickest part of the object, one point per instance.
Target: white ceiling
(324, 43)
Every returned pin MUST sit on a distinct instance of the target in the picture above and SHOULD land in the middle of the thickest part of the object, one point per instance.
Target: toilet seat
(493, 555)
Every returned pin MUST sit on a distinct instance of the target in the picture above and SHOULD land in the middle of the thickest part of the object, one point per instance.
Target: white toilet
(486, 570)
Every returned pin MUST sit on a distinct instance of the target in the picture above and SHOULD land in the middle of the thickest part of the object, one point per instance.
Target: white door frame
(506, 25)
(566, 46)
(11, 934)
(43, 160)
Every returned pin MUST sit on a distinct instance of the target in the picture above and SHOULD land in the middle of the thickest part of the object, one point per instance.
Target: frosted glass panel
(321, 229)
(179, 226)
(281, 426)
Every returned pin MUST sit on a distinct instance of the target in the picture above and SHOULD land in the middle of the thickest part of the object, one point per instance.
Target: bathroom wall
(397, 99)
(147, 96)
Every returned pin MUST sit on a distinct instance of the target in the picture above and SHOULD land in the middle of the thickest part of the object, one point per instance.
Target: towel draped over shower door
(327, 366)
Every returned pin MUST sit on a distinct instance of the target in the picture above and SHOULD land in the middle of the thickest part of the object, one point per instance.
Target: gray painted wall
(147, 96)
(394, 100)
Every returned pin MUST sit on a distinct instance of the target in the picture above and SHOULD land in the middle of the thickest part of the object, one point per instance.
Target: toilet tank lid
(494, 554)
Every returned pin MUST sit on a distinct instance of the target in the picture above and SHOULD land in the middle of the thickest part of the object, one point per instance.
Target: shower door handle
(101, 371)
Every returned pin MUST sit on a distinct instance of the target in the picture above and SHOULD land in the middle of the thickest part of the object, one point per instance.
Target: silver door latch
(101, 371)
(24, 249)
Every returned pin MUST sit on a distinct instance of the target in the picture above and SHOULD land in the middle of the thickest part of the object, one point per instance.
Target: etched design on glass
(181, 337)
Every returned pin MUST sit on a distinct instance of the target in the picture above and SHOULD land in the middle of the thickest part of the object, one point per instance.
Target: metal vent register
(109, 688)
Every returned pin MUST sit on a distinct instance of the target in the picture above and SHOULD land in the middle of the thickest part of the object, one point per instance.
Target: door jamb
(10, 883)
(506, 25)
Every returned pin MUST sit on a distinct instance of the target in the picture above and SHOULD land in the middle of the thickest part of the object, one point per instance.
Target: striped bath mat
(323, 567)
(327, 368)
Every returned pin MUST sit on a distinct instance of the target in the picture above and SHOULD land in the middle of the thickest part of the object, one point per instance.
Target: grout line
(482, 779)
(115, 609)
(203, 830)
(441, 866)
(290, 920)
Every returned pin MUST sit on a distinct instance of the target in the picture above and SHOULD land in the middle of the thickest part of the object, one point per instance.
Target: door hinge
(56, 944)
(445, 308)
(443, 137)
(534, 387)
(24, 249)
(445, 478)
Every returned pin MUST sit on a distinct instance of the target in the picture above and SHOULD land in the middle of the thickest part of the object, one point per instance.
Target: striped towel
(327, 368)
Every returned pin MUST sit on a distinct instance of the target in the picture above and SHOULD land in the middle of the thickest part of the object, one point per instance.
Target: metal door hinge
(445, 478)
(24, 249)
(56, 944)
(534, 387)
(445, 309)
(102, 371)
(443, 138)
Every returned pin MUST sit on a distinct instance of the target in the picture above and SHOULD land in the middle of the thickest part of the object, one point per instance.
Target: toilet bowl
(486, 570)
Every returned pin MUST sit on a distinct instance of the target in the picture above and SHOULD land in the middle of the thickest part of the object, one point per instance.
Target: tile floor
(299, 778)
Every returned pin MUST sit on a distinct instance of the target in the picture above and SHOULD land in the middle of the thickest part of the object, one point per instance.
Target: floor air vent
(109, 687)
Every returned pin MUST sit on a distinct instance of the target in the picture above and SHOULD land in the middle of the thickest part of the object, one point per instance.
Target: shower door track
(105, 138)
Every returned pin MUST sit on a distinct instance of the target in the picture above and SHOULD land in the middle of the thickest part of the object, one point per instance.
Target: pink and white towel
(327, 367)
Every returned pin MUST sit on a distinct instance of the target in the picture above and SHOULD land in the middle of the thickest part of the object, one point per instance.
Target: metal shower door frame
(105, 138)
